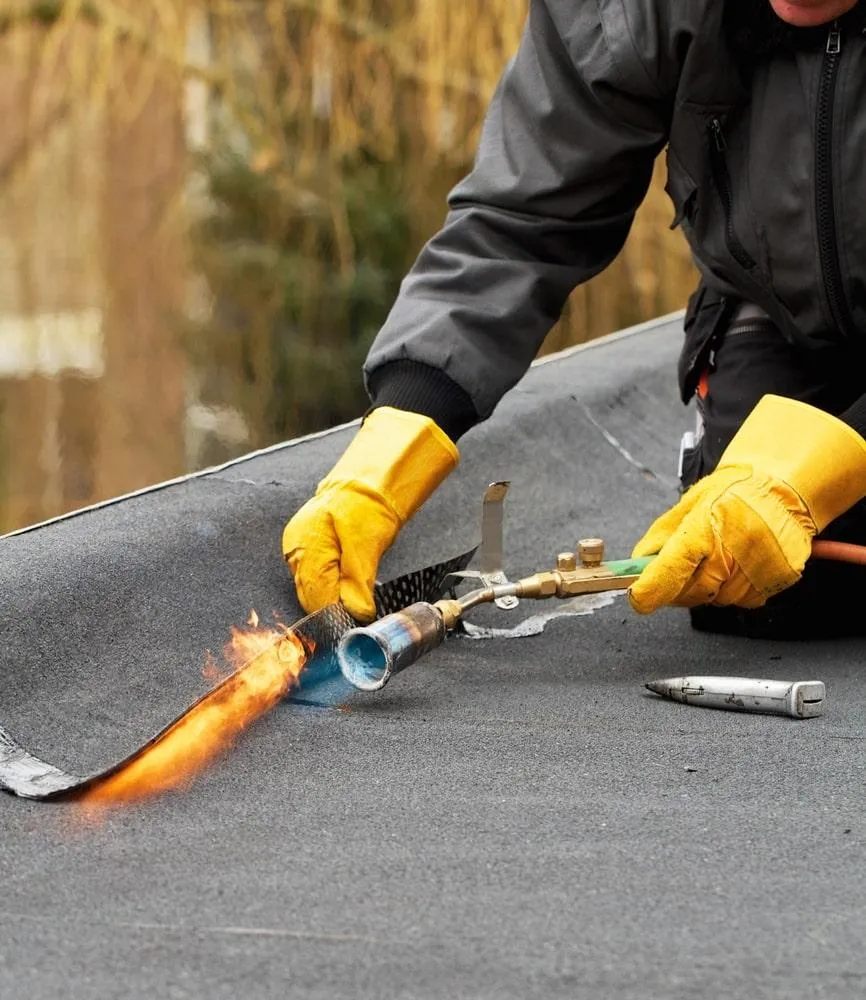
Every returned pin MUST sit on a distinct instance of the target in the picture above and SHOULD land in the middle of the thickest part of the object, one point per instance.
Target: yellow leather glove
(335, 541)
(744, 532)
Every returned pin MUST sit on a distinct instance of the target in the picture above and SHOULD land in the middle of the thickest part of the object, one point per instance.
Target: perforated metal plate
(422, 585)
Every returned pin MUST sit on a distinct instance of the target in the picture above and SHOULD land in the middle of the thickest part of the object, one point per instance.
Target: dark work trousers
(751, 360)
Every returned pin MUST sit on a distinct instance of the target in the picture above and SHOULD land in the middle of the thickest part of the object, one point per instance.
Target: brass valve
(590, 551)
(570, 579)
(576, 573)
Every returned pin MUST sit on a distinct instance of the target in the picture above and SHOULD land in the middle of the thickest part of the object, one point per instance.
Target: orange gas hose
(840, 552)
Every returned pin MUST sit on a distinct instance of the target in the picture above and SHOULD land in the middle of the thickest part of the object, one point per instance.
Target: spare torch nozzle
(370, 655)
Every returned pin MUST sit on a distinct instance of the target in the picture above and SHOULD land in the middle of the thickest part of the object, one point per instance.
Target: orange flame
(213, 671)
(267, 664)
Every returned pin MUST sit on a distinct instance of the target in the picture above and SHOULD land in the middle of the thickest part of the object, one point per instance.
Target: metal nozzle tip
(363, 661)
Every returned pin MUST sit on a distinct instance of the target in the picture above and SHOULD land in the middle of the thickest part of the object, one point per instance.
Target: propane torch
(371, 655)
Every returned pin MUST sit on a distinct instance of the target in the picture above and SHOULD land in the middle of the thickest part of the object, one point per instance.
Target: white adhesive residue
(587, 604)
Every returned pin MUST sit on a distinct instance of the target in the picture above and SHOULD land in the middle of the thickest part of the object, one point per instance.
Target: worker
(762, 107)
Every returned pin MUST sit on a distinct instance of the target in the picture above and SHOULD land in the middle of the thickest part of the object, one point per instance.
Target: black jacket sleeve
(565, 159)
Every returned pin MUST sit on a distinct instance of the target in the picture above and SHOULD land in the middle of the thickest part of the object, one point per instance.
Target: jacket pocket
(708, 316)
(722, 179)
(682, 191)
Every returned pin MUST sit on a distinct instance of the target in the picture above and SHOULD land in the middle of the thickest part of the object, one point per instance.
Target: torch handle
(628, 567)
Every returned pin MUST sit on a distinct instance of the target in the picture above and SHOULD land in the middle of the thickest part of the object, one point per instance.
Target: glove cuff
(817, 455)
(398, 455)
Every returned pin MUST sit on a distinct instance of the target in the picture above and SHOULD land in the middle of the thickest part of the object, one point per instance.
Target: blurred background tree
(291, 318)
(206, 209)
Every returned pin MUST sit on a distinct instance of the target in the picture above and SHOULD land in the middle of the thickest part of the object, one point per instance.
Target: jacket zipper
(722, 178)
(825, 212)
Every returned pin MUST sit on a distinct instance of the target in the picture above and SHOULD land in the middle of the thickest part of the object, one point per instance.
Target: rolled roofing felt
(27, 775)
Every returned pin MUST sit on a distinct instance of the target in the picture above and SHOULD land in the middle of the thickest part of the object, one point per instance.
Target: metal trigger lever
(491, 573)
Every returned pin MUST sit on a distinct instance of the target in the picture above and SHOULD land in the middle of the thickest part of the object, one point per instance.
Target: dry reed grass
(102, 100)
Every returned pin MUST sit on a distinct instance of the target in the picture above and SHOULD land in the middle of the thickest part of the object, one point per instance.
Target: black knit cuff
(855, 416)
(419, 388)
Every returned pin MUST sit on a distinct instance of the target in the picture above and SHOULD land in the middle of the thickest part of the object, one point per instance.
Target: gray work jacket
(766, 158)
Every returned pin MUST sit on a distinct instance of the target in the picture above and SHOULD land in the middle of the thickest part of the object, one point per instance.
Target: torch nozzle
(370, 655)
